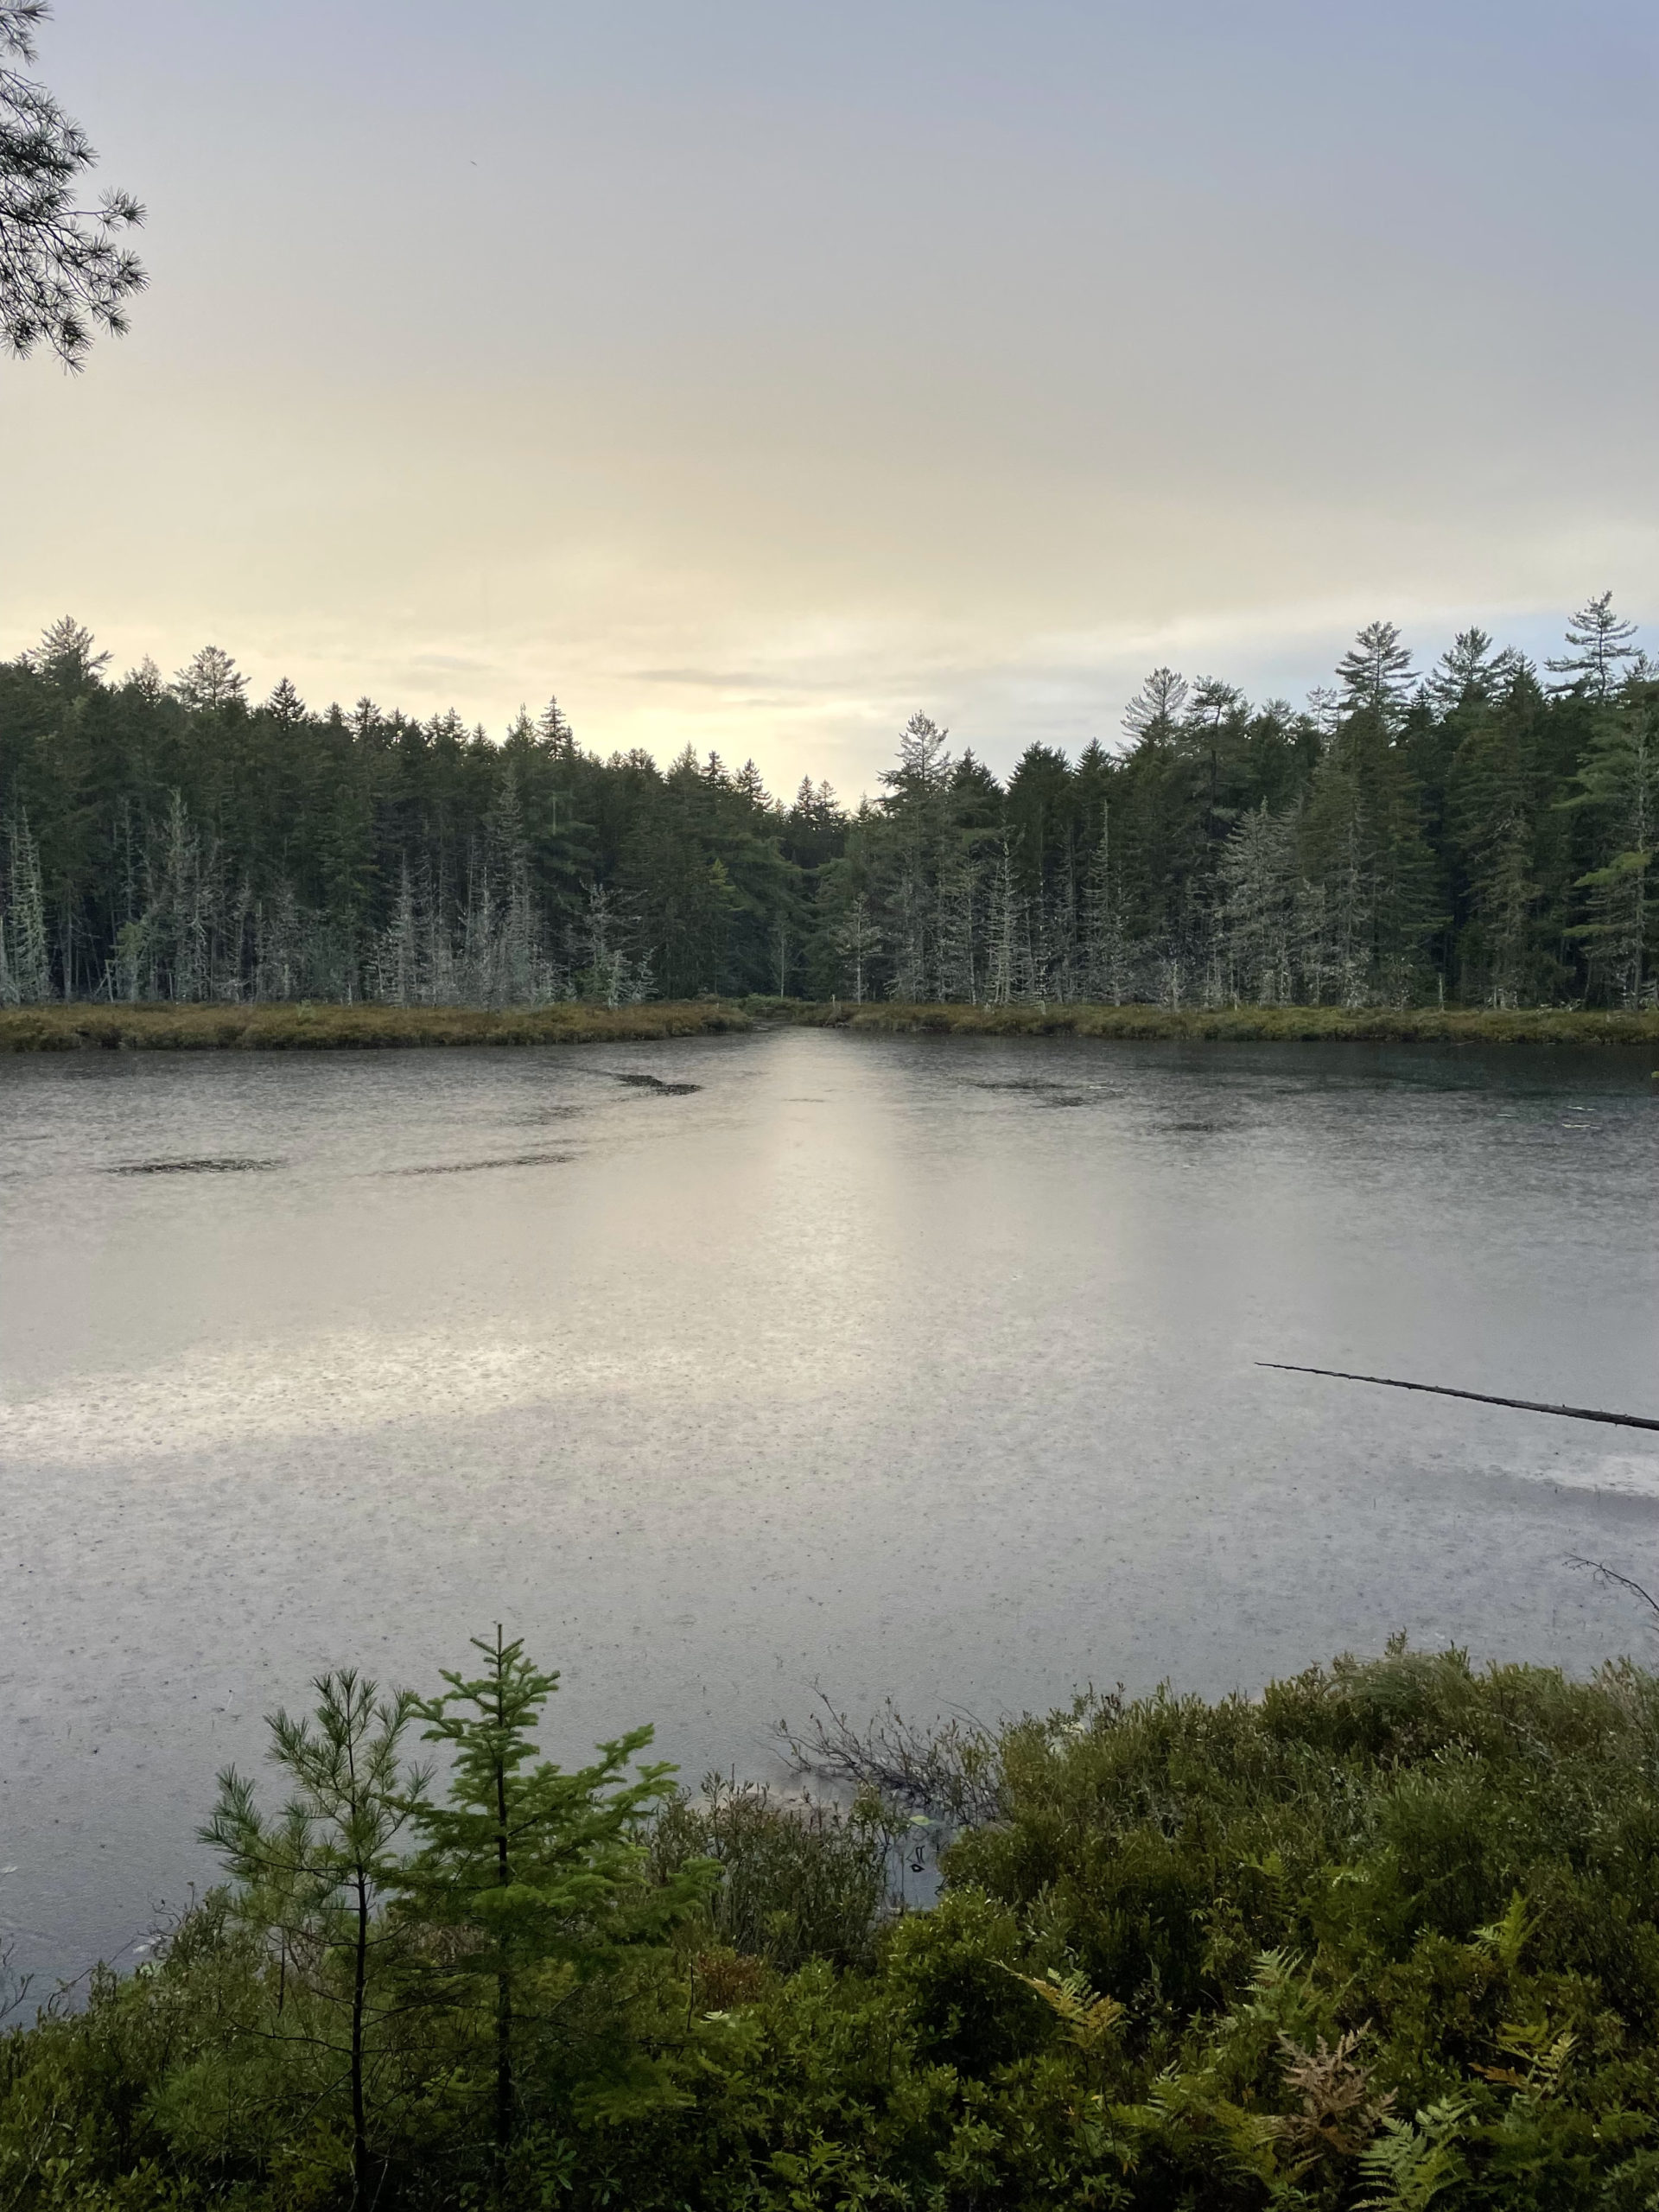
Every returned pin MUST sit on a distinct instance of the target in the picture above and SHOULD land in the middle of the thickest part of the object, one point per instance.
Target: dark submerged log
(1480, 1398)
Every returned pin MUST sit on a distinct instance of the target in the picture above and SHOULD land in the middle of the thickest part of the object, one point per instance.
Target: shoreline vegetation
(1381, 1938)
(282, 1027)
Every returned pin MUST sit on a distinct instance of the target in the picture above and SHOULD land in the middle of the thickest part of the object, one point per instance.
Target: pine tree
(64, 270)
(918, 808)
(210, 683)
(1362, 833)
(68, 655)
(1374, 673)
(1336, 851)
(1466, 673)
(553, 730)
(313, 1884)
(1156, 711)
(1599, 641)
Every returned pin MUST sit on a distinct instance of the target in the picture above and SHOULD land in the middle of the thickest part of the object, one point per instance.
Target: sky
(752, 376)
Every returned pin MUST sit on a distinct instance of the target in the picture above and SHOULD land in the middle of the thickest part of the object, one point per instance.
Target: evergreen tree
(537, 1876)
(1155, 709)
(68, 655)
(1618, 782)
(1598, 641)
(210, 683)
(25, 962)
(175, 843)
(1374, 673)
(1504, 842)
(312, 1884)
(65, 271)
(1260, 879)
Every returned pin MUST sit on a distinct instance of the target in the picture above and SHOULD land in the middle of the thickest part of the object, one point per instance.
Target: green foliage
(311, 1885)
(528, 1889)
(1473, 836)
(1386, 1938)
(309, 1028)
(796, 1880)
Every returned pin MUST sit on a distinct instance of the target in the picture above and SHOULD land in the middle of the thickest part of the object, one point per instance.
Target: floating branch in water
(1480, 1398)
(472, 1166)
(649, 1082)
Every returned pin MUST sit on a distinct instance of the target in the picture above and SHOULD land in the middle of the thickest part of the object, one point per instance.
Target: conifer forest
(1476, 835)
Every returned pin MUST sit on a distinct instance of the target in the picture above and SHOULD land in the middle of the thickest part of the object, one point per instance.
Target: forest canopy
(1479, 834)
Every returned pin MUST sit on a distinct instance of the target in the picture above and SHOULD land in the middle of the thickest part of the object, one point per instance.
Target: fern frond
(1412, 2161)
(1088, 2019)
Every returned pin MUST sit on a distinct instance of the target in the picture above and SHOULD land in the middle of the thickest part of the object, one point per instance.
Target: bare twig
(948, 1772)
(1610, 1574)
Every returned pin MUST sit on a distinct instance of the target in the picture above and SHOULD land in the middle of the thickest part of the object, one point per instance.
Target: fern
(1090, 2021)
(1543, 2055)
(1507, 1938)
(1412, 2161)
(1339, 2114)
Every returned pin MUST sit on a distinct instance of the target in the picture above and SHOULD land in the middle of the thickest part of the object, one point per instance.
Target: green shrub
(1385, 1937)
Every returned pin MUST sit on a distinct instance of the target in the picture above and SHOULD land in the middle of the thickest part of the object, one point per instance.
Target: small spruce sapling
(538, 1873)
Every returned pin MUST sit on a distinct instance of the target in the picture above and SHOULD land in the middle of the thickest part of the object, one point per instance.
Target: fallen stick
(1480, 1398)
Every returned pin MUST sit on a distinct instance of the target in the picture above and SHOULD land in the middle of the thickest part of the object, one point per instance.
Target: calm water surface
(906, 1365)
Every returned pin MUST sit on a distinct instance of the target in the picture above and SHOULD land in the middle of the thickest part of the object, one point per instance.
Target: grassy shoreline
(323, 1027)
(1281, 1024)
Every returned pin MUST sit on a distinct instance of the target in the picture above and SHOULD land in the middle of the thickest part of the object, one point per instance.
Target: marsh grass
(1267, 1024)
(325, 1026)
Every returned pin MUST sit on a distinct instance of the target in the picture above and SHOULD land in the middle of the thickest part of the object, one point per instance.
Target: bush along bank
(1385, 1937)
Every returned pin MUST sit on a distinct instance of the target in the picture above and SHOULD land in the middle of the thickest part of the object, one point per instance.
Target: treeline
(1382, 1939)
(1480, 835)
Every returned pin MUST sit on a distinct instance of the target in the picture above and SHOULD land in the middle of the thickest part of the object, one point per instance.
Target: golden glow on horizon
(777, 407)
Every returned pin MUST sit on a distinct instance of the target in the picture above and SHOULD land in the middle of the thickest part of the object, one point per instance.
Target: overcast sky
(755, 374)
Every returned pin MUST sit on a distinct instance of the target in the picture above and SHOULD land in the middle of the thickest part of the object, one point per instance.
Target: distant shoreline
(325, 1026)
(1247, 1024)
(321, 1026)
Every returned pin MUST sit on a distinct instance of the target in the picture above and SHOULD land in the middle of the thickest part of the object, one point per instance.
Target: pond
(733, 1371)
